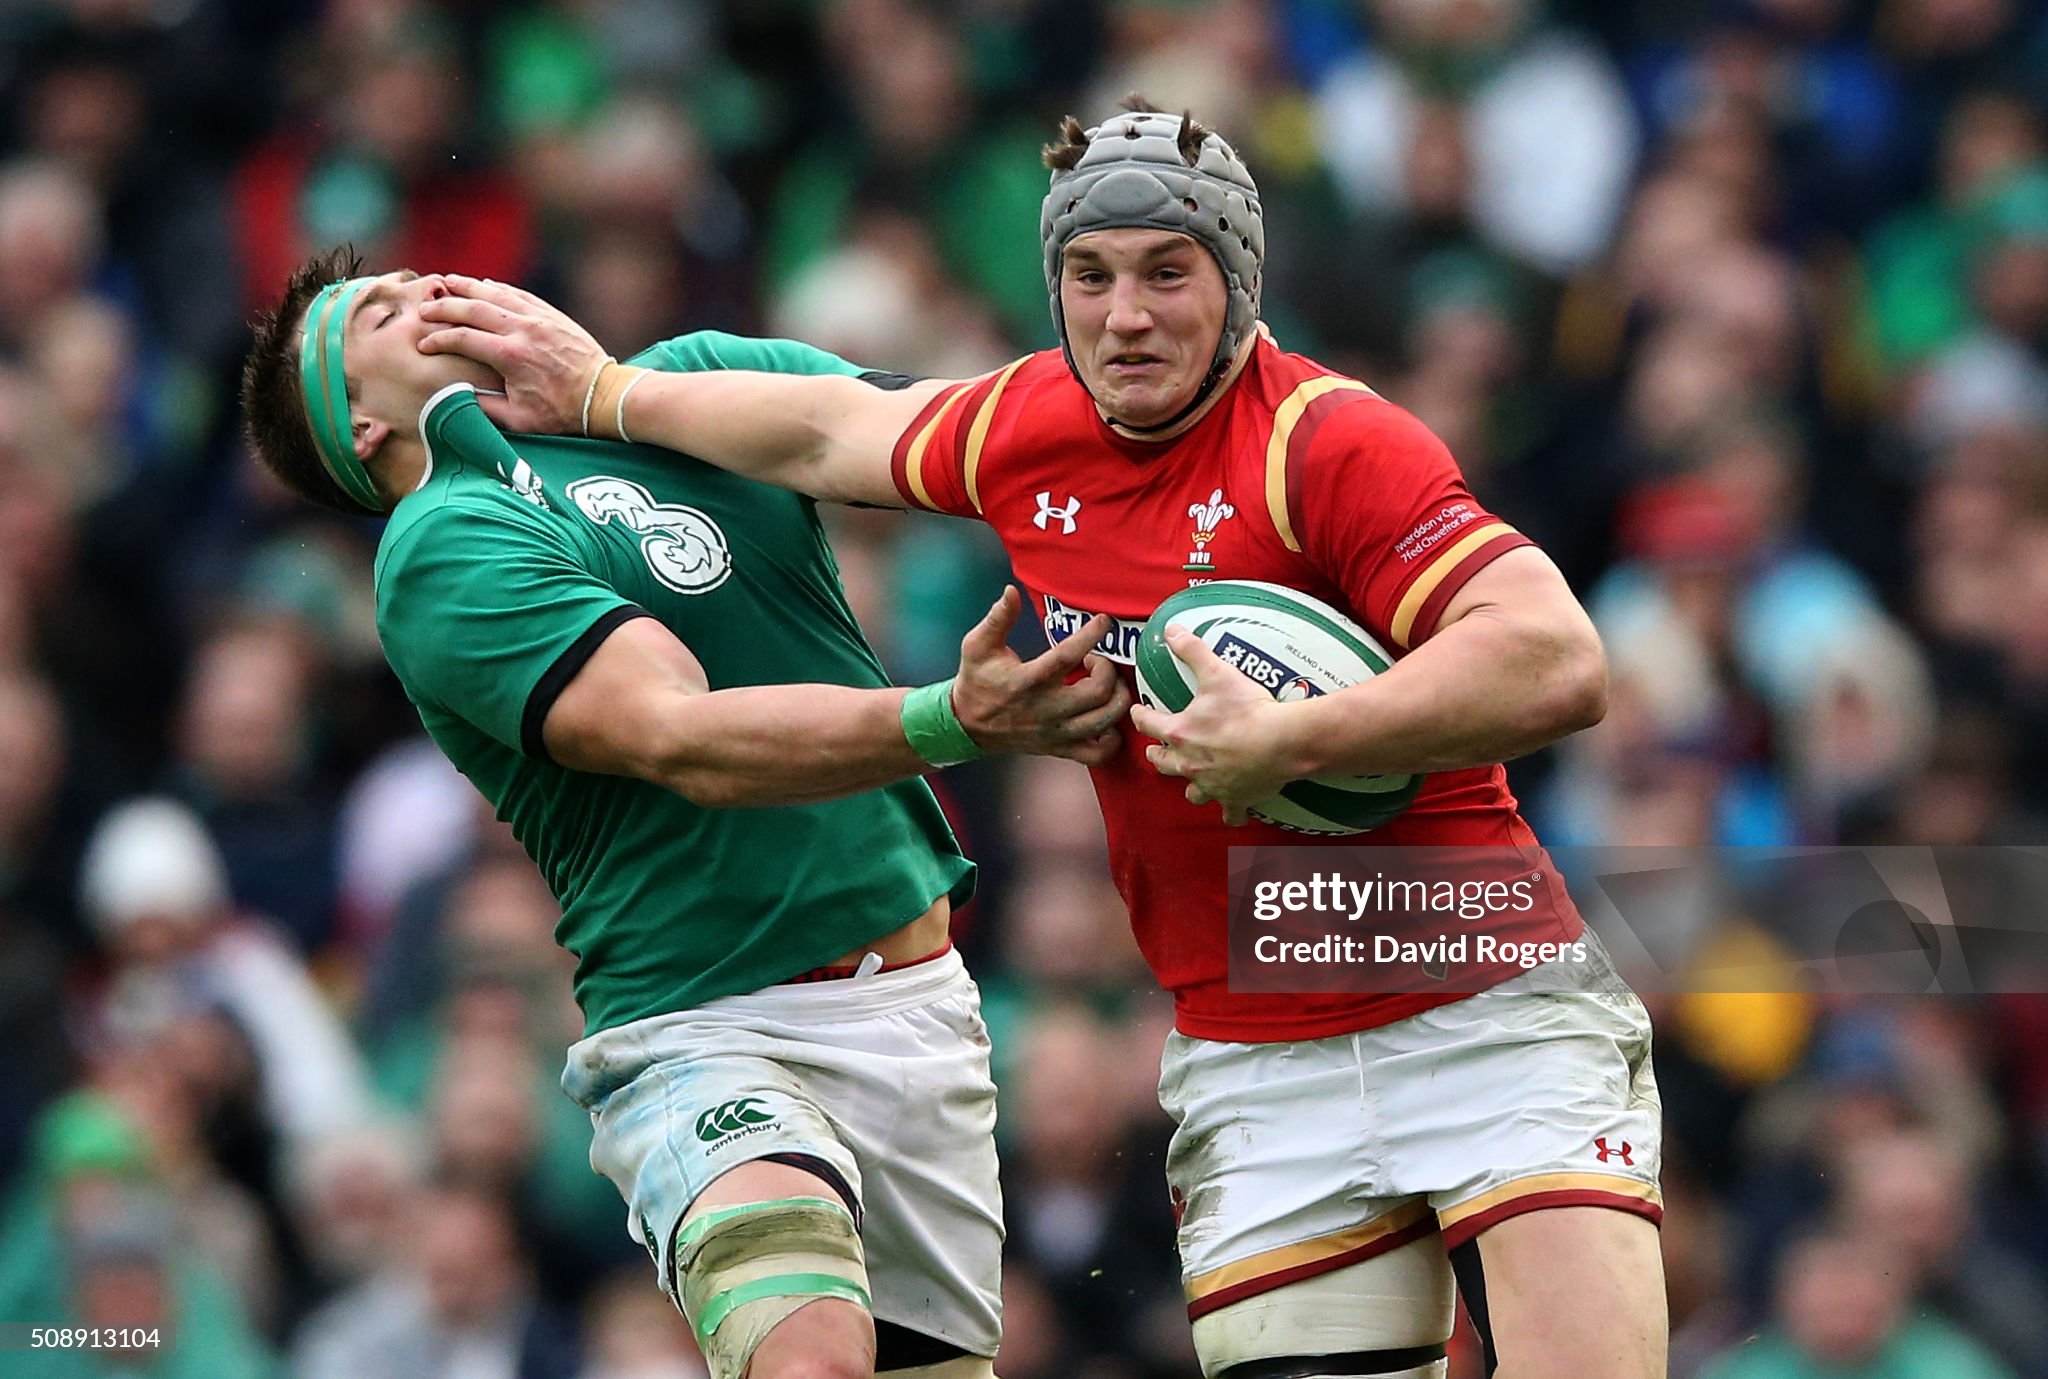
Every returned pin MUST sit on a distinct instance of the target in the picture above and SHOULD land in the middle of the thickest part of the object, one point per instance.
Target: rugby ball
(1294, 647)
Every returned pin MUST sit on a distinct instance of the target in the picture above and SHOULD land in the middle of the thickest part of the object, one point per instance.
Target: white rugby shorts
(1294, 1159)
(884, 1077)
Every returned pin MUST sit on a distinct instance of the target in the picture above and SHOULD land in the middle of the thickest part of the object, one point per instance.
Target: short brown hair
(273, 405)
(1064, 152)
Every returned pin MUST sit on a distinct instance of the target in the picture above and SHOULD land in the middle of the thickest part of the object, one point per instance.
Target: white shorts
(884, 1078)
(1293, 1159)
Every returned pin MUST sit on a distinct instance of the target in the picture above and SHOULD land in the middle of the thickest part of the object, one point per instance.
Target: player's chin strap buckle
(1405, 1360)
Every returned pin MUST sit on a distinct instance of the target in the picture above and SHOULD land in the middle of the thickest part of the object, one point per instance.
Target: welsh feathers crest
(1209, 515)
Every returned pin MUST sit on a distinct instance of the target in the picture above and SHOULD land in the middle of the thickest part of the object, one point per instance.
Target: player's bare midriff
(922, 937)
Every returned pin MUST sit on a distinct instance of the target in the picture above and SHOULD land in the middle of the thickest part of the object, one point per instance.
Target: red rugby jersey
(1296, 476)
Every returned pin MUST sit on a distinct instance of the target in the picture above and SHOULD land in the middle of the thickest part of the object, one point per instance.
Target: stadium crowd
(1739, 307)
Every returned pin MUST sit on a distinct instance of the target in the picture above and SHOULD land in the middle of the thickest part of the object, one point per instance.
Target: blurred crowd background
(1740, 307)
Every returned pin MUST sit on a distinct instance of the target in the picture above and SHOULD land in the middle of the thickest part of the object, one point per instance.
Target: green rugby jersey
(501, 575)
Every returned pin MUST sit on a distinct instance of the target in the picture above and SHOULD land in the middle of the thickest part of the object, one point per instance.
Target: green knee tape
(743, 1270)
(718, 1308)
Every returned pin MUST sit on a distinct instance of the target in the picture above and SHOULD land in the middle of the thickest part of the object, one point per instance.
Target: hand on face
(381, 347)
(546, 360)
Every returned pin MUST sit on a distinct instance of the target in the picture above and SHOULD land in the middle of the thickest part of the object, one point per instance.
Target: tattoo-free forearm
(784, 744)
(825, 435)
(1488, 688)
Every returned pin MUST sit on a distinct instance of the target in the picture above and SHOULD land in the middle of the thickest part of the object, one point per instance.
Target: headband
(325, 386)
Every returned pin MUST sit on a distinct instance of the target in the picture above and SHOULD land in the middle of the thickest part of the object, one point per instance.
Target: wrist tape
(933, 729)
(604, 404)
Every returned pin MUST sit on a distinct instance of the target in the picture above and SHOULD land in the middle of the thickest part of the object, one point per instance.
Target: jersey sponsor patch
(1119, 645)
(684, 548)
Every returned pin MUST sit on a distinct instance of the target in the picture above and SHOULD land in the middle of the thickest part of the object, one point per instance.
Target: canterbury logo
(731, 1116)
(1048, 514)
(1621, 1153)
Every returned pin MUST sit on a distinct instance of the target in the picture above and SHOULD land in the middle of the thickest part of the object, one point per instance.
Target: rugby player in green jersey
(649, 667)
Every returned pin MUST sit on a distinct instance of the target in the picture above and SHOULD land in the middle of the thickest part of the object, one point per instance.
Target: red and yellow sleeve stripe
(977, 434)
(930, 439)
(1295, 423)
(1415, 616)
(912, 447)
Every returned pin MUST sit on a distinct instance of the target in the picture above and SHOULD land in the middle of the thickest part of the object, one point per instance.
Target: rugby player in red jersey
(1340, 1158)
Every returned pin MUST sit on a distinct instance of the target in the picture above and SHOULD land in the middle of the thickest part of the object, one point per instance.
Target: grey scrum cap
(1134, 175)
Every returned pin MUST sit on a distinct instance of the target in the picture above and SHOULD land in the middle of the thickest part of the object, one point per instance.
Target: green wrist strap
(933, 729)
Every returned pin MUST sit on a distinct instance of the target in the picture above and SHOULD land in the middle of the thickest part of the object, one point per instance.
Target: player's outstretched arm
(641, 706)
(825, 435)
(1514, 665)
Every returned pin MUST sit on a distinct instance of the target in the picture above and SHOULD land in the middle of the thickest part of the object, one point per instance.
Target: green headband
(326, 388)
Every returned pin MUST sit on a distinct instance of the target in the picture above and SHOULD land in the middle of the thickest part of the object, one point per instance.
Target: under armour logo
(1606, 1153)
(1047, 512)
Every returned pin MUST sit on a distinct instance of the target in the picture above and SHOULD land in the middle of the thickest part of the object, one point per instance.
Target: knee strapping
(745, 1269)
